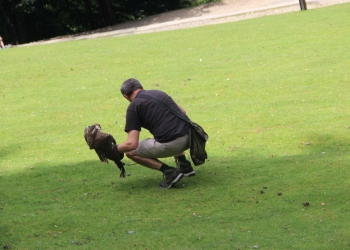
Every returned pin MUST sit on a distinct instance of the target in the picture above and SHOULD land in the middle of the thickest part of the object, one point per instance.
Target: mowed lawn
(271, 92)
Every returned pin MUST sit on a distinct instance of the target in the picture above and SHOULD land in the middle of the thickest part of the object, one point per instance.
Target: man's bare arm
(131, 142)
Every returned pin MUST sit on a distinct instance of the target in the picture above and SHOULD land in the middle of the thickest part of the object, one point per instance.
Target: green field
(271, 92)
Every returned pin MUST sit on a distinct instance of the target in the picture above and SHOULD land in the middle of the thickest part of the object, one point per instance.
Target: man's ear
(126, 97)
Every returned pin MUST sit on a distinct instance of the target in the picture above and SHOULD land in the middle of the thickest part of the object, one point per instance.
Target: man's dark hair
(129, 86)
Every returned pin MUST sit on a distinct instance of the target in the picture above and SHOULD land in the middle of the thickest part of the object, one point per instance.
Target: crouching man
(170, 133)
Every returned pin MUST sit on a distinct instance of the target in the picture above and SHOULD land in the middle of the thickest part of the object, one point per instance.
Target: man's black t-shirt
(148, 114)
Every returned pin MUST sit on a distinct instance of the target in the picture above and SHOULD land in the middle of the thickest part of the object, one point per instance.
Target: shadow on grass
(320, 152)
(79, 195)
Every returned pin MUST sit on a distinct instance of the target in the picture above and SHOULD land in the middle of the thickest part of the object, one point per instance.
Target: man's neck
(134, 94)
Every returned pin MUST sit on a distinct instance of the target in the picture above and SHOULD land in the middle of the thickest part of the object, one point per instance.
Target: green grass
(271, 92)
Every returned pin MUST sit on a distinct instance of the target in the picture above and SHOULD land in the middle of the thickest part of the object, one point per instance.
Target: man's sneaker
(185, 168)
(171, 176)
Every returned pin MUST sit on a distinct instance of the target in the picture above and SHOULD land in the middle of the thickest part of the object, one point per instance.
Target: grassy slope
(272, 94)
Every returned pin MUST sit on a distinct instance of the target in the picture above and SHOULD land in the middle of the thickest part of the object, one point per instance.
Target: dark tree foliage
(23, 21)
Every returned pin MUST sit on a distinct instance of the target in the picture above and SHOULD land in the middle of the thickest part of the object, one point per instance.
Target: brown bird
(105, 146)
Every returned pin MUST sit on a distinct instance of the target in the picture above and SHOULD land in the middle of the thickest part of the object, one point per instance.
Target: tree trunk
(107, 12)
